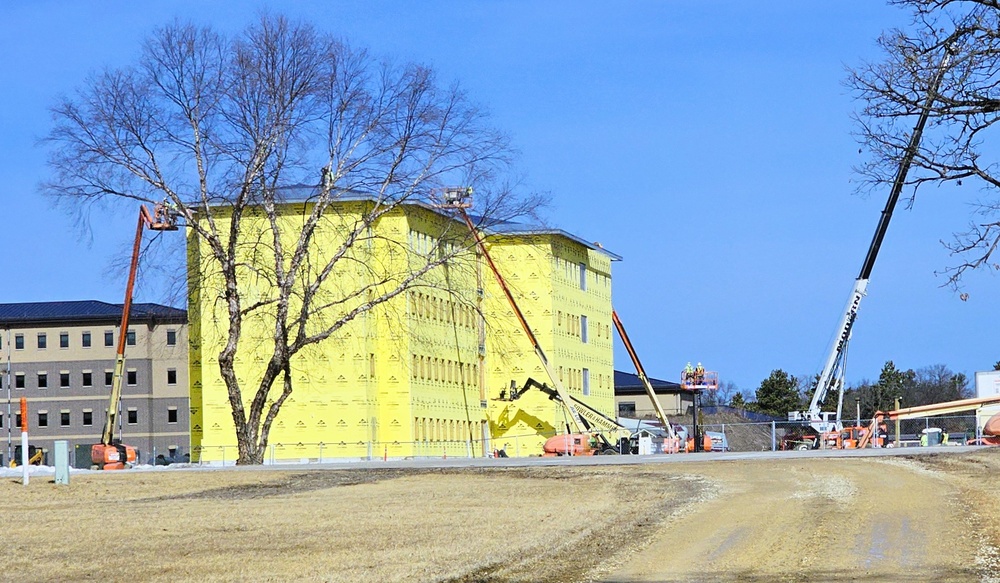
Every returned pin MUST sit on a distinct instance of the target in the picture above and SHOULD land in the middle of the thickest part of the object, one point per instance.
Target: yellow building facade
(421, 374)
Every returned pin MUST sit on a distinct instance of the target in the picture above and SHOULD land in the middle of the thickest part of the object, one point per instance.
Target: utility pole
(897, 422)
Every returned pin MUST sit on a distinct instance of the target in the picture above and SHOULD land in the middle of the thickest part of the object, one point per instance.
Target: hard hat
(699, 364)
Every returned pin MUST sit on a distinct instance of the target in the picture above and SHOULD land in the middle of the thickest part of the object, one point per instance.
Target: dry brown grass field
(930, 518)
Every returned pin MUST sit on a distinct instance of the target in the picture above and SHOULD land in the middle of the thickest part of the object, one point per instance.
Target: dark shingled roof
(84, 311)
(306, 192)
(629, 384)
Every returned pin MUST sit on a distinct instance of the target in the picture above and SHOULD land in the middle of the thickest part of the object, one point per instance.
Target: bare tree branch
(235, 132)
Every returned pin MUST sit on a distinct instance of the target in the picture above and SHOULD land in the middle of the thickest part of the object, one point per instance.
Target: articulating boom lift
(110, 453)
(833, 370)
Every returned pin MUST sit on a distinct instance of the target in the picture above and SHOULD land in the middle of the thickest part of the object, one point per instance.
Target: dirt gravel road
(929, 517)
(816, 520)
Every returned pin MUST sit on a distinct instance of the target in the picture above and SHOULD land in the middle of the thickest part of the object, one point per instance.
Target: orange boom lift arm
(110, 454)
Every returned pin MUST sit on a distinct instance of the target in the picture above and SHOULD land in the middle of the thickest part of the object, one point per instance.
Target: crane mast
(833, 369)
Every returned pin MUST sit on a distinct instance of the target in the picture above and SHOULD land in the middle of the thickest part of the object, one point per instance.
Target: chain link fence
(769, 436)
(728, 436)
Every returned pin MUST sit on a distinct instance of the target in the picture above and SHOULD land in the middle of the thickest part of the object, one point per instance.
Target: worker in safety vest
(699, 374)
(688, 372)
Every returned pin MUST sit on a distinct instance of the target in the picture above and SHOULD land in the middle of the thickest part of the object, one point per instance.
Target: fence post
(773, 436)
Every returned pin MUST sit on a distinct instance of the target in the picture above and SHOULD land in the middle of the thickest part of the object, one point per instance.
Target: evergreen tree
(778, 394)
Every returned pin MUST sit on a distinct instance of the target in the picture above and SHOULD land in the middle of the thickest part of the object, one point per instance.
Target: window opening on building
(43, 418)
(131, 377)
(43, 380)
(85, 340)
(19, 380)
(133, 415)
(171, 376)
(171, 414)
(583, 329)
(64, 418)
(64, 340)
(109, 377)
(171, 337)
(88, 417)
(17, 420)
(19, 341)
(109, 338)
(42, 341)
(88, 378)
(130, 338)
(626, 409)
(64, 379)
(583, 276)
(586, 381)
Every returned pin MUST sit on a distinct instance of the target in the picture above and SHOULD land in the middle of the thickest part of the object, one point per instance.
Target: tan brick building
(61, 356)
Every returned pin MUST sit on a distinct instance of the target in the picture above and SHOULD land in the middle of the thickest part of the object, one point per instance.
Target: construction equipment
(35, 456)
(641, 372)
(111, 453)
(819, 422)
(459, 199)
(602, 435)
(699, 379)
(599, 435)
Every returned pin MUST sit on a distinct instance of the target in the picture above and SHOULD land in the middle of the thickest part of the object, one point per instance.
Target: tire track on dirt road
(816, 520)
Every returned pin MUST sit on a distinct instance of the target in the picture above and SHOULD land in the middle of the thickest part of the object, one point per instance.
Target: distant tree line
(782, 392)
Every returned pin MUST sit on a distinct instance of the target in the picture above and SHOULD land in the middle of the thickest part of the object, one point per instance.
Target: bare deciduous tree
(957, 147)
(220, 127)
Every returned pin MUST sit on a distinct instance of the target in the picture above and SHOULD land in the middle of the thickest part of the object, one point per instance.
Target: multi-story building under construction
(422, 374)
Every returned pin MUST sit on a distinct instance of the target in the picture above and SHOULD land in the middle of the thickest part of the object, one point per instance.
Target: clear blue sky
(708, 143)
